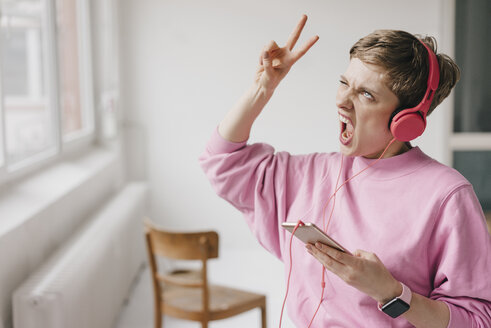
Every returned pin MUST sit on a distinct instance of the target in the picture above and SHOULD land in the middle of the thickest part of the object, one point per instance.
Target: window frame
(458, 141)
(76, 142)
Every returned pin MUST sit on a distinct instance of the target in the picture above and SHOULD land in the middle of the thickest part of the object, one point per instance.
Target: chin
(347, 151)
(352, 151)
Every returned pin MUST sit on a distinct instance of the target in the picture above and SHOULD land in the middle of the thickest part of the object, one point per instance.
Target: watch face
(395, 308)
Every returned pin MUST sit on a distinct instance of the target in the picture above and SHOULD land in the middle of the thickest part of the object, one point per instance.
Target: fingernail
(318, 245)
(308, 247)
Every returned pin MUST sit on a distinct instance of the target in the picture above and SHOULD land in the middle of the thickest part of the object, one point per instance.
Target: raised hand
(276, 62)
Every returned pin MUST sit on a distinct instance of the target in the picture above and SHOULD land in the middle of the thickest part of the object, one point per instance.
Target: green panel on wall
(476, 167)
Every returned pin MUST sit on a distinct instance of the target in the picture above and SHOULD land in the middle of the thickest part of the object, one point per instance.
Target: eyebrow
(361, 87)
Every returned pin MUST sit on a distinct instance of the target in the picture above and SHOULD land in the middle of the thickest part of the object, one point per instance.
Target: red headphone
(408, 124)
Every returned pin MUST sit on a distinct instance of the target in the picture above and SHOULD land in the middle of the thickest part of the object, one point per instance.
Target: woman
(426, 252)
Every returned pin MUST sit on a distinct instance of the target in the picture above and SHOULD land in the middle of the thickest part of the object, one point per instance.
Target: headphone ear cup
(394, 113)
(407, 126)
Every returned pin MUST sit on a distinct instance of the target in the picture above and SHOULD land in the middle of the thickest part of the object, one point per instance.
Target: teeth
(343, 119)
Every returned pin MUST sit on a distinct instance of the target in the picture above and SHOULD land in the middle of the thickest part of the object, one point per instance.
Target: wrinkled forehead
(365, 74)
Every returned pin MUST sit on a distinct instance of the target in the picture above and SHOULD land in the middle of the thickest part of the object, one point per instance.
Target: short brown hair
(405, 60)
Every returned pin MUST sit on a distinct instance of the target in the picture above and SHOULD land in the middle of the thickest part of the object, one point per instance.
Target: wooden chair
(186, 294)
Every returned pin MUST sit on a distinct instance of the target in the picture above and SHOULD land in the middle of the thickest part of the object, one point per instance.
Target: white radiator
(84, 284)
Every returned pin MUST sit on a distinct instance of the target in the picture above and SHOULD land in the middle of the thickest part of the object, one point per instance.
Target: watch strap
(392, 309)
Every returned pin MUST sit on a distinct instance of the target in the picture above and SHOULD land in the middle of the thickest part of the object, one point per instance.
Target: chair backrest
(182, 245)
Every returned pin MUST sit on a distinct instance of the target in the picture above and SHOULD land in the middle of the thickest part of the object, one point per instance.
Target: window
(26, 111)
(45, 71)
(74, 113)
(471, 138)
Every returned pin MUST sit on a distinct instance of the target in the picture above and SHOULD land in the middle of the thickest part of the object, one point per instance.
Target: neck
(397, 148)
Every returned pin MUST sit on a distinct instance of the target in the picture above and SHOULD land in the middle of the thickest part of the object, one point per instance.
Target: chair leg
(204, 324)
(158, 319)
(263, 316)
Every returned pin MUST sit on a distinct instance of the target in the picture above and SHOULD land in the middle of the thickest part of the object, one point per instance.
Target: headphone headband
(410, 123)
(433, 80)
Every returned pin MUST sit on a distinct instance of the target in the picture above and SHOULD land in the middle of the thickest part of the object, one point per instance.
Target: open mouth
(346, 130)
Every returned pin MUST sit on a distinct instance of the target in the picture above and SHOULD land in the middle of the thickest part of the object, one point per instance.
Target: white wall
(185, 63)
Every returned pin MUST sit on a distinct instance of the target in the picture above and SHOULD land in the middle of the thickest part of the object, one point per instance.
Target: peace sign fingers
(275, 61)
(295, 35)
(292, 40)
(306, 46)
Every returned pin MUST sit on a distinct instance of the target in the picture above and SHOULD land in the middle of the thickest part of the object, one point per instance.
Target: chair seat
(224, 301)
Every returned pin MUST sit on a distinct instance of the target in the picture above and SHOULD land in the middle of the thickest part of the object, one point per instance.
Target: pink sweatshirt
(421, 218)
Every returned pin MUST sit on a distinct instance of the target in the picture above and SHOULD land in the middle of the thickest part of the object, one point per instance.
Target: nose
(343, 98)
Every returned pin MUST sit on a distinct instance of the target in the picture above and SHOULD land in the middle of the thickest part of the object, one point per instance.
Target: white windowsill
(24, 199)
(471, 141)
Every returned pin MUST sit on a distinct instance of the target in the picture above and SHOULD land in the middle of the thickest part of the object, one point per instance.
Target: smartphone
(310, 233)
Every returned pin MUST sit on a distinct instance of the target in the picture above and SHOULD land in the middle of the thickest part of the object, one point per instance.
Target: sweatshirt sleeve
(461, 253)
(261, 184)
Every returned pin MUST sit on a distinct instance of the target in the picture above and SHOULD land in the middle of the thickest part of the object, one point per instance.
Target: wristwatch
(399, 304)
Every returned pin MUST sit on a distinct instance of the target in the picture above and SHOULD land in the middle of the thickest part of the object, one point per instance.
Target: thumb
(268, 66)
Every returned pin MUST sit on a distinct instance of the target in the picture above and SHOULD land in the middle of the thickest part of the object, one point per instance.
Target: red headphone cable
(300, 223)
(345, 182)
(323, 283)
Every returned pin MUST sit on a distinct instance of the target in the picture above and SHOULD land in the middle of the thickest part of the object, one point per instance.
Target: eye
(367, 94)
